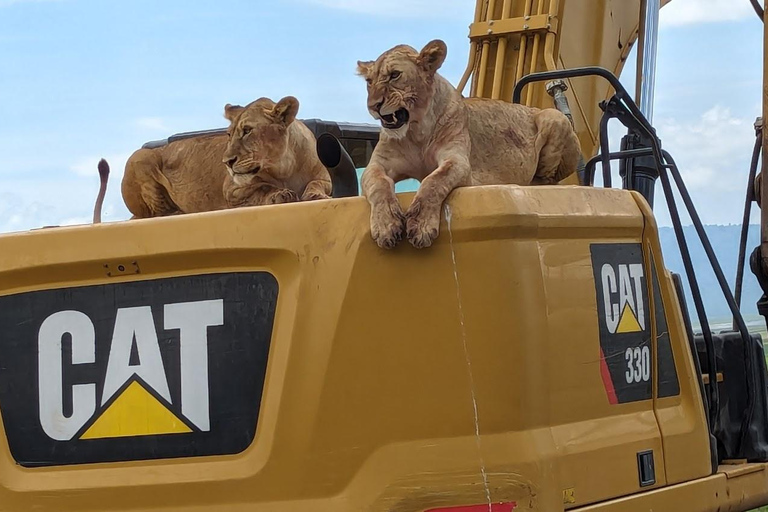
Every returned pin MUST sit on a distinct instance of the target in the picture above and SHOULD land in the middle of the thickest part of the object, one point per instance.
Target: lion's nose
(231, 162)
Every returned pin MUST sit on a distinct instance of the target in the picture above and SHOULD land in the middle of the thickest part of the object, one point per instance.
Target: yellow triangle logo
(628, 322)
(135, 413)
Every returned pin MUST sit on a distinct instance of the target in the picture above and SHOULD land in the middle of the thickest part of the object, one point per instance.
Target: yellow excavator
(539, 357)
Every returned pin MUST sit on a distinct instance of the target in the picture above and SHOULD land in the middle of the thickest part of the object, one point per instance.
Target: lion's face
(400, 83)
(258, 134)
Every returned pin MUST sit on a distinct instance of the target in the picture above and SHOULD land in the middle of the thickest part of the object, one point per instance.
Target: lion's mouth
(395, 120)
(246, 171)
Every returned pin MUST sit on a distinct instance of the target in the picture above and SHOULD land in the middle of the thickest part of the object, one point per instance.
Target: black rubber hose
(605, 152)
(339, 164)
(738, 318)
(589, 167)
(745, 221)
(698, 303)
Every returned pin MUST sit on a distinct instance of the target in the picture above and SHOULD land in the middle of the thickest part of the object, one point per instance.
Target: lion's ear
(432, 56)
(285, 111)
(364, 68)
(232, 111)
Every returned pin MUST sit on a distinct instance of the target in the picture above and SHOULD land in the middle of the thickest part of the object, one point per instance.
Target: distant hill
(725, 241)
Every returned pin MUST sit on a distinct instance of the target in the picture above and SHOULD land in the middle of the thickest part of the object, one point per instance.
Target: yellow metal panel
(681, 418)
(736, 489)
(511, 26)
(579, 33)
(379, 358)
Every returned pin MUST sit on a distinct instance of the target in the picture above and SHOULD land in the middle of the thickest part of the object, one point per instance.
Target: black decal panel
(624, 321)
(668, 383)
(134, 371)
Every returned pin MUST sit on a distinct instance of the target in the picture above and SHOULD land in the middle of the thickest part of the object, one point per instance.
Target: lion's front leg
(423, 216)
(387, 220)
(317, 189)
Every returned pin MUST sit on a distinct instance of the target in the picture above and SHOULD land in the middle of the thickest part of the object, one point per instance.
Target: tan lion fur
(185, 176)
(192, 175)
(271, 157)
(449, 142)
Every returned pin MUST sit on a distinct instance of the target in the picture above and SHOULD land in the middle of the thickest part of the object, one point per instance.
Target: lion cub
(433, 134)
(266, 157)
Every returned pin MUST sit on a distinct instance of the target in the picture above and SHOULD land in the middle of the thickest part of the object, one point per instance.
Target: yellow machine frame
(467, 377)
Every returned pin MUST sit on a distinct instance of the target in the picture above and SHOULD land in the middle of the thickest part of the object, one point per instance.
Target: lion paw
(284, 196)
(387, 225)
(421, 226)
(314, 196)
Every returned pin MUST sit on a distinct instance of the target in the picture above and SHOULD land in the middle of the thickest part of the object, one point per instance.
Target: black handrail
(589, 168)
(750, 196)
(738, 319)
(637, 119)
(574, 73)
(605, 151)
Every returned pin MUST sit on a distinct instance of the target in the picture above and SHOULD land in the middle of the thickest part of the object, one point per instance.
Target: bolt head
(556, 84)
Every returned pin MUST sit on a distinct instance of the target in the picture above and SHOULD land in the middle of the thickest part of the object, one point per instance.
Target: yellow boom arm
(513, 38)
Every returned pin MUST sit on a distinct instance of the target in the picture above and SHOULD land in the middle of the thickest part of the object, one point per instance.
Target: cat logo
(622, 297)
(623, 321)
(134, 371)
(135, 396)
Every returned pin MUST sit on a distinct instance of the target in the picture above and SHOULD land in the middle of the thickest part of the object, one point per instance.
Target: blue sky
(82, 79)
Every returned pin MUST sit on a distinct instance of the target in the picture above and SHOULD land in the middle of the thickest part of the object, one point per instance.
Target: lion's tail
(104, 176)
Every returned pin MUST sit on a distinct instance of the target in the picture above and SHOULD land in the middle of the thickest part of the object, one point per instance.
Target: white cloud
(152, 123)
(19, 212)
(713, 153)
(87, 166)
(33, 203)
(29, 202)
(687, 12)
(403, 8)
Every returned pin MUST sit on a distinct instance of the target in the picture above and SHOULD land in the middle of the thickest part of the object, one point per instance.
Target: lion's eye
(394, 75)
(246, 130)
(369, 81)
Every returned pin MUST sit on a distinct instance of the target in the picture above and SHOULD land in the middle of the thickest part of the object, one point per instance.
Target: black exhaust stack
(339, 164)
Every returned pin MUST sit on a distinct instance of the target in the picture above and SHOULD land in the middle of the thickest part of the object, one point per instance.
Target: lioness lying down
(266, 157)
(432, 134)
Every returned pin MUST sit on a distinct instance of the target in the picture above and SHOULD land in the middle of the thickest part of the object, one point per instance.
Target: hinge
(525, 25)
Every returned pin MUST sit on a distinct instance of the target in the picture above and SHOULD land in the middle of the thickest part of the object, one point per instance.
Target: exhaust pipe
(339, 164)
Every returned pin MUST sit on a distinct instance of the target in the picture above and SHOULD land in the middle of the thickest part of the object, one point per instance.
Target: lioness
(271, 157)
(266, 157)
(433, 134)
